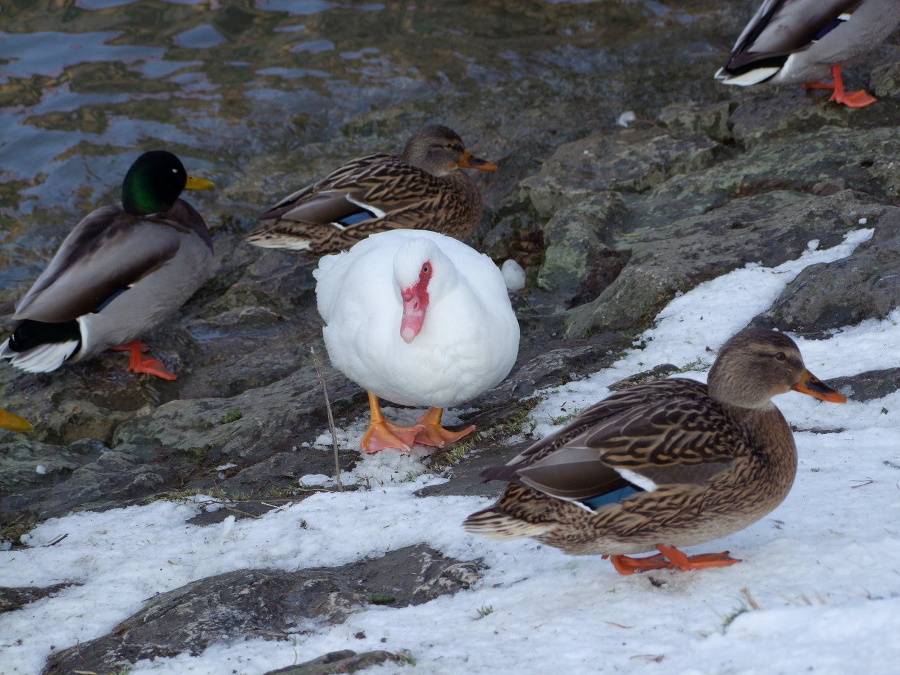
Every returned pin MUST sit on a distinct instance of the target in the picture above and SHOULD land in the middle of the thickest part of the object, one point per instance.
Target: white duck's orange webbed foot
(670, 557)
(138, 363)
(432, 433)
(382, 435)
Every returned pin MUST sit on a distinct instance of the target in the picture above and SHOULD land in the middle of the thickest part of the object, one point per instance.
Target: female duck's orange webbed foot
(851, 99)
(138, 363)
(432, 433)
(670, 558)
(382, 434)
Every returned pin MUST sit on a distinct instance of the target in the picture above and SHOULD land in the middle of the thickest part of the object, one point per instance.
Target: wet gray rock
(344, 661)
(769, 228)
(864, 285)
(32, 472)
(869, 385)
(631, 160)
(885, 79)
(712, 120)
(268, 604)
(760, 119)
(577, 245)
(13, 598)
(116, 478)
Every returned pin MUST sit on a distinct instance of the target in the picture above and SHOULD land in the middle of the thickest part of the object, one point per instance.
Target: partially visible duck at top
(13, 422)
(662, 465)
(420, 319)
(421, 188)
(121, 271)
(793, 41)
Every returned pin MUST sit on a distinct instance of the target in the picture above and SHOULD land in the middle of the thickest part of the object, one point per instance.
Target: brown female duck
(662, 465)
(421, 188)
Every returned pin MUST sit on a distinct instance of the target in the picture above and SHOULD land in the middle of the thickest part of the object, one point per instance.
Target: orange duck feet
(432, 433)
(138, 363)
(670, 558)
(382, 435)
(851, 99)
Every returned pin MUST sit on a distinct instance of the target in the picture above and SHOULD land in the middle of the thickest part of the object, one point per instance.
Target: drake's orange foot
(851, 99)
(854, 99)
(131, 346)
(671, 558)
(818, 85)
(138, 363)
(432, 433)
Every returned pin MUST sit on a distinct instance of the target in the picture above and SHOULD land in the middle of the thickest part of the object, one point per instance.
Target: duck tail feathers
(494, 523)
(520, 512)
(292, 241)
(41, 359)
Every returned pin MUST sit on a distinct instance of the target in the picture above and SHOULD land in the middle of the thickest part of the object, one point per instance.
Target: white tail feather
(41, 359)
(754, 76)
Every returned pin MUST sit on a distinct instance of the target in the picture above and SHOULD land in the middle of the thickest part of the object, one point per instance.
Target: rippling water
(86, 84)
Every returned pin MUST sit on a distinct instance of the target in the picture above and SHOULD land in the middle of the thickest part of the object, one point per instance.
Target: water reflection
(86, 84)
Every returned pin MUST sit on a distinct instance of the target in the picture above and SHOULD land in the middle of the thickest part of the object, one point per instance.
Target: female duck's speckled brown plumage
(666, 464)
(421, 188)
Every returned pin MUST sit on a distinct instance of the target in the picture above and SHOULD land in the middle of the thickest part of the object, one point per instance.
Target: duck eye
(426, 269)
(780, 356)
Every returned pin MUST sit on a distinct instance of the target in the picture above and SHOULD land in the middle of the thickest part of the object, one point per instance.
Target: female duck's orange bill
(470, 161)
(812, 385)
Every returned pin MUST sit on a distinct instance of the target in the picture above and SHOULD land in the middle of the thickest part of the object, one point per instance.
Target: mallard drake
(420, 319)
(790, 41)
(13, 422)
(119, 273)
(662, 465)
(421, 188)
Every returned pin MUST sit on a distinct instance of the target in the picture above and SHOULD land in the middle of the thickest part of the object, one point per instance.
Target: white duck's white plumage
(791, 41)
(469, 338)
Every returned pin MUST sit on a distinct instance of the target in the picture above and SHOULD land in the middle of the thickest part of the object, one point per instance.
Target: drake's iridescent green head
(155, 181)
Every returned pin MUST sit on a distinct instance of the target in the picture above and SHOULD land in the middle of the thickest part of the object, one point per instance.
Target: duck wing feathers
(107, 252)
(371, 194)
(664, 432)
(783, 27)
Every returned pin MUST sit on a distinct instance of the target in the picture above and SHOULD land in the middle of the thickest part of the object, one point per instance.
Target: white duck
(789, 41)
(420, 319)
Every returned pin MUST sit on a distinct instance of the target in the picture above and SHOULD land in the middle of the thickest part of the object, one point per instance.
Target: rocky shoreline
(610, 225)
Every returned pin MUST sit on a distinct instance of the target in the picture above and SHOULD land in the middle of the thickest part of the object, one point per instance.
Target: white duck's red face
(415, 304)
